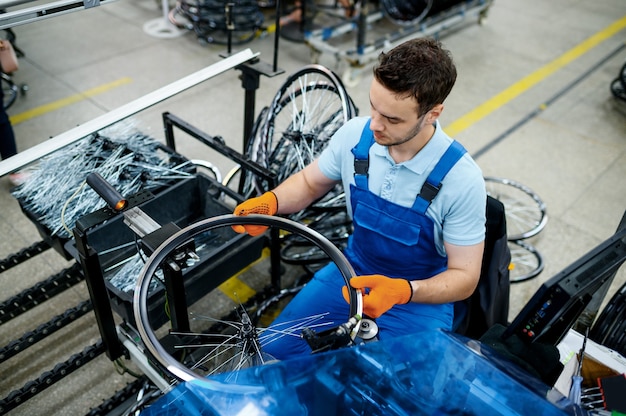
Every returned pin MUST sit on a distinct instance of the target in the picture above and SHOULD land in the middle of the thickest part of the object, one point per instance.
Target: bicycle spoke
(290, 328)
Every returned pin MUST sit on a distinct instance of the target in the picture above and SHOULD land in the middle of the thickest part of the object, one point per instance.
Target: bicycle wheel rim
(140, 298)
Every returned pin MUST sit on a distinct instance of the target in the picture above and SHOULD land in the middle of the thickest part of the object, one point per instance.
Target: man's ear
(434, 113)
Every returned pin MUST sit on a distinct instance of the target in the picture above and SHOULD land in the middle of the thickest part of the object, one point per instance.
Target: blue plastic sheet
(433, 374)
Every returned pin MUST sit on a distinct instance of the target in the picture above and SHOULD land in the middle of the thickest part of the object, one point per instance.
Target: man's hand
(266, 204)
(384, 293)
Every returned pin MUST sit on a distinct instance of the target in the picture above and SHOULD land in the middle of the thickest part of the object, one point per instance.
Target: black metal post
(250, 81)
(276, 35)
(230, 27)
(362, 27)
(176, 297)
(99, 296)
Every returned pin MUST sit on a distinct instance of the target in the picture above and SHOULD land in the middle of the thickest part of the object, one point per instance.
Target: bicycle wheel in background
(210, 19)
(334, 224)
(305, 112)
(526, 213)
(406, 13)
(526, 262)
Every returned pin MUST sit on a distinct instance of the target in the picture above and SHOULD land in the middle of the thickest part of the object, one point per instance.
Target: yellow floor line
(235, 288)
(529, 81)
(47, 108)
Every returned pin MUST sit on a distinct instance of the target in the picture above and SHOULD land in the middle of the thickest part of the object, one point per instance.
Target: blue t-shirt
(458, 210)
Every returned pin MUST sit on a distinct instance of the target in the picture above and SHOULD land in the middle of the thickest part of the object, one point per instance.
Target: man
(414, 255)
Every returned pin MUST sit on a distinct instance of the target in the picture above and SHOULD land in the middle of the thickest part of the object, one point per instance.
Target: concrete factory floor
(532, 103)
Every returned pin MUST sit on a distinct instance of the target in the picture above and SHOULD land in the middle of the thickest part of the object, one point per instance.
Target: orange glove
(384, 293)
(266, 204)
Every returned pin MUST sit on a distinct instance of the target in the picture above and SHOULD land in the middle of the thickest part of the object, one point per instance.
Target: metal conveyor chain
(23, 255)
(48, 378)
(42, 331)
(40, 292)
(111, 405)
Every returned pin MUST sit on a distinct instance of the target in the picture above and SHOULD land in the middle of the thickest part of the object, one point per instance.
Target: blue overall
(388, 239)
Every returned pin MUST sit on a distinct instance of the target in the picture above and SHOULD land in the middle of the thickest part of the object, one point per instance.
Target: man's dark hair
(418, 68)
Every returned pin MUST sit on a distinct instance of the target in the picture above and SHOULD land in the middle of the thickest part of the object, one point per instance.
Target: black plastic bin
(224, 254)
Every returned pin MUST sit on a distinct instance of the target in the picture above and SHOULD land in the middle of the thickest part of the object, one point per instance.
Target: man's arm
(294, 194)
(302, 189)
(456, 283)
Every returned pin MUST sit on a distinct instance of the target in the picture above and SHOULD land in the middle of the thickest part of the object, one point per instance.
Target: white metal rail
(64, 139)
(43, 11)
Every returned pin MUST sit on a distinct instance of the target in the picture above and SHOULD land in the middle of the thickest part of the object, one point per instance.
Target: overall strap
(433, 183)
(361, 154)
